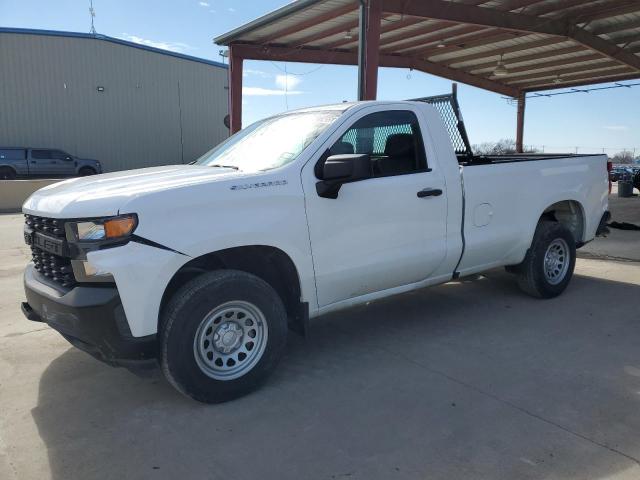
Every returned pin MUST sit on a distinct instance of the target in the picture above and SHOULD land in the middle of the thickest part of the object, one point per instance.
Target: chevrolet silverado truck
(205, 268)
(43, 162)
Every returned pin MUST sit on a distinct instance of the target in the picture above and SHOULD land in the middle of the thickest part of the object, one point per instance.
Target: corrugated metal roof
(105, 38)
(531, 36)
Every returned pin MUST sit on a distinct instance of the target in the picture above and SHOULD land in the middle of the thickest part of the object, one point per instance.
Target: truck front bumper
(91, 318)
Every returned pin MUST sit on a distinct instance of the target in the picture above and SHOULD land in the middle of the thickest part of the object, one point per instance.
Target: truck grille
(53, 266)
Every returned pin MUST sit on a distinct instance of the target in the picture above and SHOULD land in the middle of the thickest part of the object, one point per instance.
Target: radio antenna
(92, 15)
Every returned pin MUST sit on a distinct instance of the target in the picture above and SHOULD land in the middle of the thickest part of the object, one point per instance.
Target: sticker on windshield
(246, 186)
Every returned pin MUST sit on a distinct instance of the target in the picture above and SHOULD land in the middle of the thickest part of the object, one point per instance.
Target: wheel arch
(87, 167)
(570, 213)
(269, 263)
(5, 166)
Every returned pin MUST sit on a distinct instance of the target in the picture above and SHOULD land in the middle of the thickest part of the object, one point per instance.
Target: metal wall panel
(155, 109)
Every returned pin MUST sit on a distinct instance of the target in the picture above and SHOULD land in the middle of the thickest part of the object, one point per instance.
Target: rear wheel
(7, 173)
(548, 266)
(222, 334)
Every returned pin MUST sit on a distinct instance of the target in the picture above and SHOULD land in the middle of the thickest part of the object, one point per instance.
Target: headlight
(113, 228)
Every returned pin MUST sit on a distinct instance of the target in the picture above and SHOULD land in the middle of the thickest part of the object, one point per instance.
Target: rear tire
(221, 335)
(548, 266)
(7, 173)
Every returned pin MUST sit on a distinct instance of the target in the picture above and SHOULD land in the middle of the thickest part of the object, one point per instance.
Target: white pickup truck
(205, 267)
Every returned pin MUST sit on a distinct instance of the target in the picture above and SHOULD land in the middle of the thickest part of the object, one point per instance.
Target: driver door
(377, 234)
(42, 163)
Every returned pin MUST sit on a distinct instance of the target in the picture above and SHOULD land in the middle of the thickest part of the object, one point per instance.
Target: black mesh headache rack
(447, 106)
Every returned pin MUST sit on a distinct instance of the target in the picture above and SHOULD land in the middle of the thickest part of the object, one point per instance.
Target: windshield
(269, 143)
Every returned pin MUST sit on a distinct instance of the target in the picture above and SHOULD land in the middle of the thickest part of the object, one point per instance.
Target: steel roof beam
(481, 39)
(564, 62)
(342, 28)
(557, 63)
(497, 52)
(625, 38)
(564, 73)
(511, 5)
(614, 8)
(310, 22)
(441, 10)
(525, 58)
(388, 27)
(309, 55)
(557, 7)
(616, 27)
(541, 86)
(412, 42)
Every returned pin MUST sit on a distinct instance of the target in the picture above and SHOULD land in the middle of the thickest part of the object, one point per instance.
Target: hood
(103, 195)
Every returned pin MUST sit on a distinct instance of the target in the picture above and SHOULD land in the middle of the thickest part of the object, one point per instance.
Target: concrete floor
(468, 380)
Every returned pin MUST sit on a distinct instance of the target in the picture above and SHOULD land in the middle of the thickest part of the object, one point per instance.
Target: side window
(58, 155)
(391, 138)
(13, 154)
(41, 154)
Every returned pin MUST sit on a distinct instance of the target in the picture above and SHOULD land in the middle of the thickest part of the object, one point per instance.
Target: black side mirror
(340, 169)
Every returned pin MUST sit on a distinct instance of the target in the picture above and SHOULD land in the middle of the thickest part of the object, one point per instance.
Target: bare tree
(624, 156)
(505, 146)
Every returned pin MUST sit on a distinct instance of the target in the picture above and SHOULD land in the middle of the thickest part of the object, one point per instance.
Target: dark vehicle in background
(627, 173)
(615, 172)
(43, 162)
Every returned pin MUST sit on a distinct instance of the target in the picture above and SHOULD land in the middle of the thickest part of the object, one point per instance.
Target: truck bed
(518, 157)
(504, 192)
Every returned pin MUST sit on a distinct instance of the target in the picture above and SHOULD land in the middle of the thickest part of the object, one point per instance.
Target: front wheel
(86, 171)
(548, 266)
(222, 334)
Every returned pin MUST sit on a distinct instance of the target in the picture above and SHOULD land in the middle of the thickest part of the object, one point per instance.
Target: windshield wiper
(233, 167)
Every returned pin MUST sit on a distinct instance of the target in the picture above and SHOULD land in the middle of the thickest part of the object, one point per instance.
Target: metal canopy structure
(509, 47)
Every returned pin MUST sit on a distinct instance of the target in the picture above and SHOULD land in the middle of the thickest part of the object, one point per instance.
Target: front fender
(141, 273)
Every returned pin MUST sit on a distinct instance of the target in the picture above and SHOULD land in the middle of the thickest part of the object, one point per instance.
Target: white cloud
(246, 72)
(287, 81)
(265, 92)
(285, 84)
(171, 46)
(231, 9)
(204, 4)
(617, 128)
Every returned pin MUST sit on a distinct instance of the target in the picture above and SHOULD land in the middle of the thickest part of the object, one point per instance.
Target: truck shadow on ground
(471, 379)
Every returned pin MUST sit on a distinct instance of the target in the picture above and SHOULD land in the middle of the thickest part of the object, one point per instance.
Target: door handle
(429, 192)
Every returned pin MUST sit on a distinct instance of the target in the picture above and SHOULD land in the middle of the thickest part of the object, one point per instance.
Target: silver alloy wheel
(556, 261)
(230, 340)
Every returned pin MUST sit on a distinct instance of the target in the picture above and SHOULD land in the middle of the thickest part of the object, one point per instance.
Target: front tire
(548, 266)
(86, 171)
(221, 335)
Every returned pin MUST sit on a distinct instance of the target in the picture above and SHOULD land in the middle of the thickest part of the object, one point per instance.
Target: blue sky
(608, 119)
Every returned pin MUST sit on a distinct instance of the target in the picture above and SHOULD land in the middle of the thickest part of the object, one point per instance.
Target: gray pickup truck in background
(43, 162)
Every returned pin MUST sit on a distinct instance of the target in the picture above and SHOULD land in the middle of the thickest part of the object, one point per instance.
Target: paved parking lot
(468, 380)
